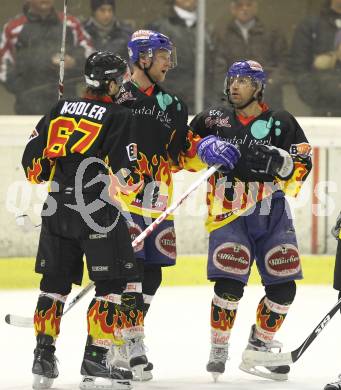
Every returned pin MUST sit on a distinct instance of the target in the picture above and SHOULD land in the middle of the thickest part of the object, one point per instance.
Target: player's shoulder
(214, 112)
(284, 121)
(171, 102)
(127, 95)
(119, 109)
(281, 114)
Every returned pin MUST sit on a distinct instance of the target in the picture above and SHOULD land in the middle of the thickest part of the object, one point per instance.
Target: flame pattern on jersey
(165, 144)
(70, 136)
(33, 172)
(229, 195)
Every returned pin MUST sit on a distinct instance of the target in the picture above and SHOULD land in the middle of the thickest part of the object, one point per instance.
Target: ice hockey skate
(98, 374)
(218, 357)
(279, 373)
(137, 360)
(333, 385)
(45, 363)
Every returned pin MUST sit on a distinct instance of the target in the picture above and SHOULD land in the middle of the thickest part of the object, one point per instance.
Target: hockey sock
(152, 277)
(147, 300)
(103, 319)
(269, 318)
(48, 314)
(223, 315)
(131, 315)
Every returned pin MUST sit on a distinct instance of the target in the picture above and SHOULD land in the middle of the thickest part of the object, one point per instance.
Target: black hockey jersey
(165, 142)
(230, 195)
(74, 130)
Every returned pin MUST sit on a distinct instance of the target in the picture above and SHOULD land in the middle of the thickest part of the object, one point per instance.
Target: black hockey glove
(149, 193)
(336, 229)
(270, 160)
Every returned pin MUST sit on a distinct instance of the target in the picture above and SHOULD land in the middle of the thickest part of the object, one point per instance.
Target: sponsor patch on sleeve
(303, 149)
(132, 151)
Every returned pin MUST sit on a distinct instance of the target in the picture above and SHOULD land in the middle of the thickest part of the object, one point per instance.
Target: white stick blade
(258, 358)
(23, 322)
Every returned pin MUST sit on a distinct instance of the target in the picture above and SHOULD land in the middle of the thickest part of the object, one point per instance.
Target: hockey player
(167, 146)
(248, 216)
(336, 231)
(76, 146)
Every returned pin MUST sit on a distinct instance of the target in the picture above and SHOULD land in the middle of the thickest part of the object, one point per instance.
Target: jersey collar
(245, 120)
(104, 99)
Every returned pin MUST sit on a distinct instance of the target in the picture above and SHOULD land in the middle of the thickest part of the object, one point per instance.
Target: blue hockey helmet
(245, 68)
(146, 42)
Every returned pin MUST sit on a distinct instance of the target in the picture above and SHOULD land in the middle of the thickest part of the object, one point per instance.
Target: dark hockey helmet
(245, 68)
(146, 42)
(102, 67)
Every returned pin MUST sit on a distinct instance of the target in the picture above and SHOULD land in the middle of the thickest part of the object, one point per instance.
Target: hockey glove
(212, 150)
(336, 229)
(149, 193)
(270, 160)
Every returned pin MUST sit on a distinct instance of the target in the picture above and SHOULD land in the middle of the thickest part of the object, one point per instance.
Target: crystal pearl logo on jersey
(160, 115)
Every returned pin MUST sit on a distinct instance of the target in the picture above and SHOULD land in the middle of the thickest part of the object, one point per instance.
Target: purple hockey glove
(213, 150)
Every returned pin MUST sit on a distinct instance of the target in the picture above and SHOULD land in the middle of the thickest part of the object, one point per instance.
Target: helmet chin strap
(145, 70)
(148, 75)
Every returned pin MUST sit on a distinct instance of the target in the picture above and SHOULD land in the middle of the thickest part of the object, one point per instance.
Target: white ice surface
(177, 336)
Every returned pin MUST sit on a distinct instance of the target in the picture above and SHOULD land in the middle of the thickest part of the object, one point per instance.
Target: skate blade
(215, 376)
(97, 383)
(41, 382)
(257, 372)
(139, 374)
(144, 377)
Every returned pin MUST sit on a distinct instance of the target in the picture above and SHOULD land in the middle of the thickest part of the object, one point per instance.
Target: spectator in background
(106, 32)
(180, 27)
(30, 53)
(316, 60)
(245, 36)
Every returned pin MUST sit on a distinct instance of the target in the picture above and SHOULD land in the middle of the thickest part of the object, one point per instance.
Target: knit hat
(98, 3)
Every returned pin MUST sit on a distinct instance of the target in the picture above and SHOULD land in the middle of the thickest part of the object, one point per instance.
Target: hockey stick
(27, 322)
(62, 54)
(278, 359)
